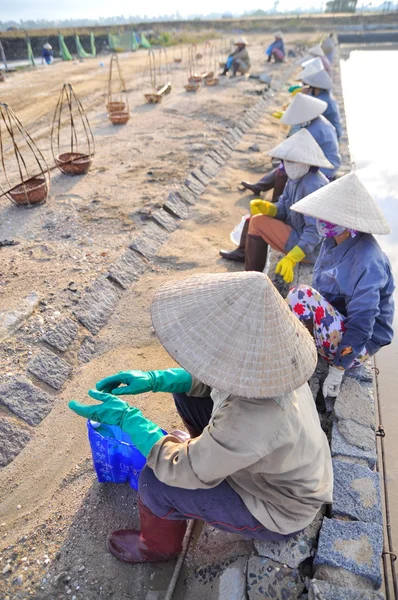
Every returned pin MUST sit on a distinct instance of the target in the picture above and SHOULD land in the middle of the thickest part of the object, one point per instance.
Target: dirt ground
(54, 516)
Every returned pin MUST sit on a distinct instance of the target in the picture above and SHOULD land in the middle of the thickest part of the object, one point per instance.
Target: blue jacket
(355, 277)
(332, 113)
(304, 231)
(276, 45)
(325, 134)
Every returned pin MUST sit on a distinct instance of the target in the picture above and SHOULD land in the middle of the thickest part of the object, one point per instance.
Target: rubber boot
(279, 185)
(255, 253)
(239, 253)
(158, 540)
(225, 71)
(266, 183)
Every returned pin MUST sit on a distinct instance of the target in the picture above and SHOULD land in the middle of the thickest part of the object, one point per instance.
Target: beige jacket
(242, 55)
(272, 452)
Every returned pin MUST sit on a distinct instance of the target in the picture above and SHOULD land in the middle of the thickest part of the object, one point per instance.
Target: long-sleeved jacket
(325, 135)
(271, 451)
(276, 45)
(241, 53)
(332, 113)
(304, 233)
(355, 277)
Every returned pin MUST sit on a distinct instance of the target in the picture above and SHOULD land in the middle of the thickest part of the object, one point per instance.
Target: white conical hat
(301, 147)
(234, 332)
(278, 34)
(311, 66)
(345, 202)
(303, 108)
(319, 80)
(316, 51)
(47, 46)
(242, 41)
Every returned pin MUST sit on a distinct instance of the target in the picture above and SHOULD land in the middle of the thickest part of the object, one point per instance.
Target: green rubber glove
(113, 411)
(285, 266)
(138, 382)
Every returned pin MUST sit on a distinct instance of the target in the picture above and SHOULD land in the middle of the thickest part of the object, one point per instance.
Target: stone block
(25, 400)
(214, 546)
(363, 373)
(177, 206)
(150, 239)
(87, 350)
(268, 579)
(165, 219)
(342, 577)
(322, 590)
(185, 194)
(355, 403)
(356, 547)
(293, 551)
(229, 142)
(62, 335)
(357, 435)
(341, 448)
(50, 368)
(234, 135)
(200, 176)
(13, 438)
(98, 304)
(223, 150)
(217, 158)
(221, 581)
(195, 186)
(356, 493)
(210, 167)
(127, 269)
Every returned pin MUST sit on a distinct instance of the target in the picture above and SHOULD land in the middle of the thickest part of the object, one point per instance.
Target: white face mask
(295, 170)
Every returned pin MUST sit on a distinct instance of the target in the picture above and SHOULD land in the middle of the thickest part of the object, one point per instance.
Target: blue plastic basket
(115, 457)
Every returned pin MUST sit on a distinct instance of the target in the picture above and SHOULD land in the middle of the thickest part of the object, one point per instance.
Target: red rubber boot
(158, 540)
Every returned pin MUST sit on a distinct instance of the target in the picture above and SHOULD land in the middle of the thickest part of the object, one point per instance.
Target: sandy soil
(54, 516)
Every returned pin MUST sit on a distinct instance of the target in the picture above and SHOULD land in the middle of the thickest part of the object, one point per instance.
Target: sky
(93, 9)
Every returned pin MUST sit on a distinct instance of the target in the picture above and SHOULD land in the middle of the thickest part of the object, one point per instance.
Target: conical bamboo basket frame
(74, 155)
(26, 174)
(163, 73)
(117, 100)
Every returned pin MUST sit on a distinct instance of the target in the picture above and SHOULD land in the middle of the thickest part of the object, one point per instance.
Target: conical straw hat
(301, 147)
(316, 51)
(242, 41)
(312, 66)
(234, 332)
(278, 34)
(319, 80)
(345, 202)
(303, 108)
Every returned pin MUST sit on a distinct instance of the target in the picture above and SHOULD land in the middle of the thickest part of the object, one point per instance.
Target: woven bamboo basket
(153, 98)
(192, 87)
(33, 191)
(212, 81)
(195, 79)
(178, 60)
(116, 106)
(119, 118)
(73, 163)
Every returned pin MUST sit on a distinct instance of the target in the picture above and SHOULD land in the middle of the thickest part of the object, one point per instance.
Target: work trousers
(219, 506)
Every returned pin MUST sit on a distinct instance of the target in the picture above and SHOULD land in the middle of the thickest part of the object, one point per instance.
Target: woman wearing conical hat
(303, 112)
(319, 85)
(317, 51)
(273, 224)
(276, 50)
(350, 306)
(239, 60)
(257, 462)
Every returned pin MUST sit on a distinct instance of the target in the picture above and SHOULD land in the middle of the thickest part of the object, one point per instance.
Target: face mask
(295, 170)
(329, 230)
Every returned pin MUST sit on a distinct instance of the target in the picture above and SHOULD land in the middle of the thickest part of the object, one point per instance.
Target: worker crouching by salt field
(239, 60)
(320, 85)
(276, 50)
(257, 463)
(350, 307)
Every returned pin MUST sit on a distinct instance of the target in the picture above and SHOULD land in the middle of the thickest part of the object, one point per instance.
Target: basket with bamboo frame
(117, 99)
(25, 176)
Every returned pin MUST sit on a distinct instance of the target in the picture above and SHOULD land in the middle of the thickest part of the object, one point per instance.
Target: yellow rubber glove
(285, 267)
(278, 114)
(262, 207)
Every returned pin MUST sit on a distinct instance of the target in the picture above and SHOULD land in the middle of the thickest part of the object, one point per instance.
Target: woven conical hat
(234, 332)
(345, 202)
(319, 80)
(303, 108)
(312, 66)
(241, 41)
(278, 34)
(301, 147)
(316, 51)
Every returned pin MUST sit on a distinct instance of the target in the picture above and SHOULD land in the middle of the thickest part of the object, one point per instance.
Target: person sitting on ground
(304, 112)
(276, 50)
(328, 46)
(47, 54)
(320, 86)
(257, 462)
(275, 224)
(350, 308)
(238, 61)
(317, 51)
